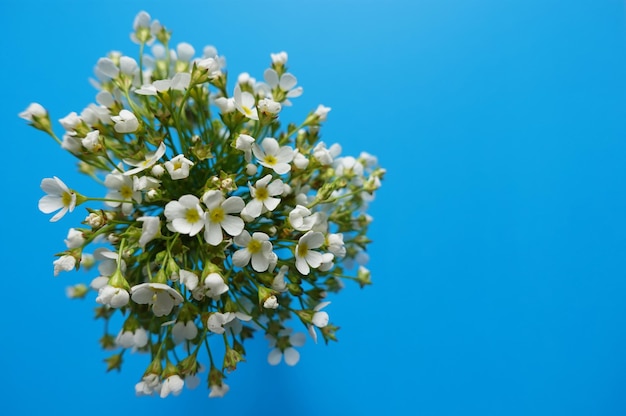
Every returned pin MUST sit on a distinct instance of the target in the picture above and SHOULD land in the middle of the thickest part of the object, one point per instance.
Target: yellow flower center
(217, 215)
(126, 192)
(261, 194)
(270, 160)
(254, 246)
(66, 199)
(303, 248)
(192, 216)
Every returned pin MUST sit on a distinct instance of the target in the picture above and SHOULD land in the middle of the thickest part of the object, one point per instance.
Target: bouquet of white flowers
(217, 220)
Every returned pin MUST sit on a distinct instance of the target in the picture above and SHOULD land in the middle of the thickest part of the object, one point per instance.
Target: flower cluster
(217, 221)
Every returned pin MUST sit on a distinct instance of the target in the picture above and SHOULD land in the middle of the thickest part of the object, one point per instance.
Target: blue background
(499, 234)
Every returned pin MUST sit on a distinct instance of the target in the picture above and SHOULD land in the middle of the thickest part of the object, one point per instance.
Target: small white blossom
(226, 105)
(301, 218)
(149, 230)
(189, 279)
(218, 216)
(271, 303)
(149, 384)
(256, 247)
(64, 264)
(125, 122)
(319, 320)
(285, 82)
(33, 110)
(214, 285)
(268, 107)
(305, 255)
(75, 238)
(179, 82)
(114, 297)
(121, 192)
(217, 320)
(185, 215)
(245, 103)
(263, 197)
(182, 331)
(132, 339)
(150, 159)
(178, 167)
(173, 384)
(70, 121)
(244, 143)
(324, 155)
(59, 197)
(271, 155)
(279, 284)
(91, 141)
(279, 58)
(321, 112)
(162, 297)
(219, 391)
(291, 355)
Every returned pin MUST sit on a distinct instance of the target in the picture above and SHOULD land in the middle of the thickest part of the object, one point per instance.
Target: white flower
(219, 391)
(300, 161)
(148, 385)
(244, 143)
(322, 112)
(179, 82)
(149, 230)
(292, 356)
(141, 27)
(77, 291)
(212, 65)
(70, 121)
(64, 264)
(273, 156)
(162, 297)
(336, 245)
(244, 102)
(185, 215)
(150, 159)
(215, 286)
(130, 339)
(189, 279)
(75, 238)
(217, 320)
(59, 198)
(173, 384)
(320, 319)
(217, 216)
(268, 107)
(178, 167)
(286, 83)
(192, 381)
(258, 248)
(263, 196)
(305, 256)
(226, 105)
(121, 192)
(324, 155)
(184, 330)
(115, 297)
(125, 122)
(301, 218)
(33, 110)
(278, 284)
(91, 141)
(271, 303)
(279, 58)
